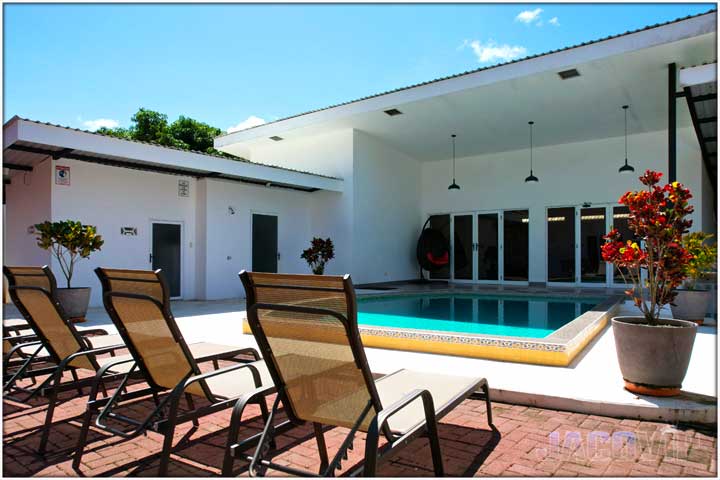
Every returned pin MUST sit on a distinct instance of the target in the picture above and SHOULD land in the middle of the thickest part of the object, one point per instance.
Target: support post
(672, 122)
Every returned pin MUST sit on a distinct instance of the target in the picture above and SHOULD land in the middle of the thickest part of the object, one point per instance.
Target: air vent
(275, 138)
(572, 73)
(393, 112)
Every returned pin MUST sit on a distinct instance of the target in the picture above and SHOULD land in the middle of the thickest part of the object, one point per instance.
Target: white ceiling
(493, 118)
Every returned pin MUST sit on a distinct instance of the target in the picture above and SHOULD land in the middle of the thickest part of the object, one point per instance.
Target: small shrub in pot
(69, 241)
(693, 301)
(320, 252)
(653, 352)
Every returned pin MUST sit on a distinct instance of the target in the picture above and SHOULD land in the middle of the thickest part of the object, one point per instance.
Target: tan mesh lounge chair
(306, 328)
(58, 343)
(133, 301)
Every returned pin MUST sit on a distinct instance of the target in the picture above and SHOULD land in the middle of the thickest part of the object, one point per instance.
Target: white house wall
(228, 238)
(111, 198)
(387, 212)
(570, 174)
(331, 213)
(27, 202)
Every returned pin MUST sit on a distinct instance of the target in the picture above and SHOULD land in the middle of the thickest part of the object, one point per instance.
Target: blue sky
(233, 65)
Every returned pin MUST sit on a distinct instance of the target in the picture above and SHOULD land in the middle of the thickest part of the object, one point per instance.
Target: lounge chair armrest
(20, 338)
(18, 346)
(96, 351)
(203, 376)
(16, 328)
(250, 351)
(387, 412)
(94, 331)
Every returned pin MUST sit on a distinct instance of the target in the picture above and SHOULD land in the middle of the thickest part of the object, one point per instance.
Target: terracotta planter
(74, 301)
(653, 359)
(692, 305)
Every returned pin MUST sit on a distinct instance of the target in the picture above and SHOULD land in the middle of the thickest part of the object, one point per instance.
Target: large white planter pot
(691, 305)
(653, 358)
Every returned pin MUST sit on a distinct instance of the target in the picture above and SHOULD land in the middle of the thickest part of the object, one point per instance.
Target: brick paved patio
(528, 442)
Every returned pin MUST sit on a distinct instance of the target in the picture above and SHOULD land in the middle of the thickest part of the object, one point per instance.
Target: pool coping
(558, 348)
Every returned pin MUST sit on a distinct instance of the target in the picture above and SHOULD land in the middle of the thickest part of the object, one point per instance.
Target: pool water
(505, 315)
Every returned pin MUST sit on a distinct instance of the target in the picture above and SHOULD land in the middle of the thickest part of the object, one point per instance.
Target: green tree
(185, 133)
(196, 135)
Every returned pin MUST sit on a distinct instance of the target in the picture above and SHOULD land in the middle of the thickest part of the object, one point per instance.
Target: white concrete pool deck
(592, 384)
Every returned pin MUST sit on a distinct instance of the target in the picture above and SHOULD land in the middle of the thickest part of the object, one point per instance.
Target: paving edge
(700, 412)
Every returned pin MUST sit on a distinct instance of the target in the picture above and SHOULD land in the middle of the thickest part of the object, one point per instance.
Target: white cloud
(491, 51)
(251, 121)
(99, 123)
(529, 16)
(554, 21)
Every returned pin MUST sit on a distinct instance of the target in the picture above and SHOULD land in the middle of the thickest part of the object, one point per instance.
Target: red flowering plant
(320, 252)
(658, 220)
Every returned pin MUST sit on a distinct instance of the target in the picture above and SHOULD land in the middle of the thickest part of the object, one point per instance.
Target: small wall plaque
(183, 188)
(62, 175)
(130, 231)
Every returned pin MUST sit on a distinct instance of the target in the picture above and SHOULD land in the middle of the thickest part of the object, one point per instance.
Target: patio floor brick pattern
(528, 442)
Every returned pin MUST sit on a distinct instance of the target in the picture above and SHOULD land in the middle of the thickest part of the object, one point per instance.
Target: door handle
(150, 259)
(278, 256)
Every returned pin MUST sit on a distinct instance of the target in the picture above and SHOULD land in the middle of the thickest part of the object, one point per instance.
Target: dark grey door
(264, 243)
(166, 253)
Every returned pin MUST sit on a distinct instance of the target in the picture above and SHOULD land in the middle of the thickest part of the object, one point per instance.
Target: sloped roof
(470, 72)
(155, 144)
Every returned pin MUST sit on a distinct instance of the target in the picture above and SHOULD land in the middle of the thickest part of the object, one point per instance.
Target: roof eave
(555, 60)
(141, 153)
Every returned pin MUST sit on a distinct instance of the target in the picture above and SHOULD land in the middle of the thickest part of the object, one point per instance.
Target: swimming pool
(503, 315)
(528, 328)
(550, 329)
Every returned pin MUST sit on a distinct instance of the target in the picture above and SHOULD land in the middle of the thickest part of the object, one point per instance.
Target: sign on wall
(183, 188)
(62, 175)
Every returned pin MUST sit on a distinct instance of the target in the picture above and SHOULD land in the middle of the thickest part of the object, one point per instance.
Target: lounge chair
(306, 328)
(57, 346)
(166, 362)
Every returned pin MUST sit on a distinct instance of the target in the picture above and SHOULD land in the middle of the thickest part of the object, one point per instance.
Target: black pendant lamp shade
(626, 168)
(453, 185)
(531, 178)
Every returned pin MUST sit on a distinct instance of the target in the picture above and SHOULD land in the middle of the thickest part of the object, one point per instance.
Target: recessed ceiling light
(275, 138)
(572, 73)
(393, 111)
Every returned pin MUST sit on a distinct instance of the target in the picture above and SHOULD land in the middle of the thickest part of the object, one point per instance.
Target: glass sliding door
(516, 245)
(487, 247)
(592, 228)
(620, 222)
(441, 223)
(561, 245)
(463, 247)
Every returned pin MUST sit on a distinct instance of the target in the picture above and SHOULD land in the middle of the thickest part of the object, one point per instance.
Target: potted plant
(69, 241)
(693, 301)
(320, 252)
(653, 352)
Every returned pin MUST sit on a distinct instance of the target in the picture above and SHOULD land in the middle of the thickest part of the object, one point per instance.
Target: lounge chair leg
(80, 449)
(235, 421)
(76, 379)
(435, 449)
(169, 434)
(488, 404)
(265, 414)
(52, 399)
(322, 448)
(191, 406)
(167, 449)
(371, 451)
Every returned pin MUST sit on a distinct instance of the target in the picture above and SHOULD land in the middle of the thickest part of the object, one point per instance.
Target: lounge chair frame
(52, 385)
(379, 424)
(164, 418)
